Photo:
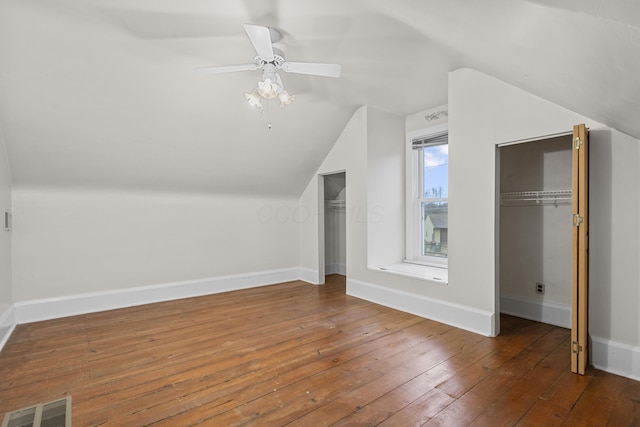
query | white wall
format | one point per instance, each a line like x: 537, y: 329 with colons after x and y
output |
x: 6, y: 299
x: 385, y: 188
x: 614, y: 238
x: 74, y: 242
x: 375, y: 195
x: 371, y: 150
x: 348, y: 154
x: 435, y: 116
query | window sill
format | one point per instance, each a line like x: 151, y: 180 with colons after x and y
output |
x: 434, y: 274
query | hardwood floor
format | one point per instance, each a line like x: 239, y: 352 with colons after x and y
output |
x: 303, y: 355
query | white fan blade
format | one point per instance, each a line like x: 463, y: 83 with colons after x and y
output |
x: 312, y: 68
x: 261, y: 39
x: 227, y: 69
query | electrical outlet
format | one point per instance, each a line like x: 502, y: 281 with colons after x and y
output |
x: 540, y: 288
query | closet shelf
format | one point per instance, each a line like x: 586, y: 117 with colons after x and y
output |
x: 336, y: 204
x: 543, y: 197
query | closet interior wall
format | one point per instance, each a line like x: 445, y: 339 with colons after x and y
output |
x: 535, y: 230
x: 335, y: 224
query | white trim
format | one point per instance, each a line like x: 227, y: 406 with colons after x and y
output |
x: 534, y: 139
x: 321, y: 234
x: 413, y: 215
x: 540, y: 311
x: 437, y: 275
x: 469, y: 318
x: 310, y: 276
x: 53, y: 308
x: 7, y: 325
x: 616, y: 358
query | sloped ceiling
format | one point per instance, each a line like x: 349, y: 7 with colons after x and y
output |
x: 103, y: 93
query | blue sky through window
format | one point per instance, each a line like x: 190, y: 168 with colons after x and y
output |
x: 436, y: 170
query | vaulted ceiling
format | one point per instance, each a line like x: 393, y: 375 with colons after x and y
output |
x: 104, y: 93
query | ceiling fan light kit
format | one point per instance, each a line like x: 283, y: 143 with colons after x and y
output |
x: 285, y: 98
x: 254, y: 99
x: 268, y: 89
x: 270, y: 60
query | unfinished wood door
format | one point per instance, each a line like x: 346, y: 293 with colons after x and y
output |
x: 580, y: 249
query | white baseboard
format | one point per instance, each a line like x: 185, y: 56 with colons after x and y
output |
x: 540, y: 311
x: 53, y: 308
x: 7, y: 325
x: 460, y: 316
x: 313, y: 276
x: 310, y: 276
x: 617, y: 358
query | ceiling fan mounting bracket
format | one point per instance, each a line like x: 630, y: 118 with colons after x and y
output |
x: 278, y: 59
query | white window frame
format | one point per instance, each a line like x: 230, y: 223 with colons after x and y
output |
x: 414, y: 223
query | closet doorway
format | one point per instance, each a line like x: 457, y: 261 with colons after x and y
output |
x: 334, y: 234
x: 542, y: 232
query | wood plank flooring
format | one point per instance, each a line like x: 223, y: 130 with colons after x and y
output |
x: 302, y: 355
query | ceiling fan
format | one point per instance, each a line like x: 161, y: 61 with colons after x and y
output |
x: 271, y: 59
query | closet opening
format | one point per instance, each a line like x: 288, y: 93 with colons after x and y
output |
x: 534, y: 270
x: 333, y: 232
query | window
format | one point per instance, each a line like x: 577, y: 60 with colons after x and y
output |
x: 427, y: 196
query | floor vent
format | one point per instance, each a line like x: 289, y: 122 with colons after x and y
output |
x: 51, y: 414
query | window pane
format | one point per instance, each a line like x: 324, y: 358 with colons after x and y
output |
x: 54, y: 414
x: 435, y: 229
x: 23, y: 418
x: 435, y: 172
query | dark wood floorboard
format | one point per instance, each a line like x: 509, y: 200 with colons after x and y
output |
x: 301, y: 355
